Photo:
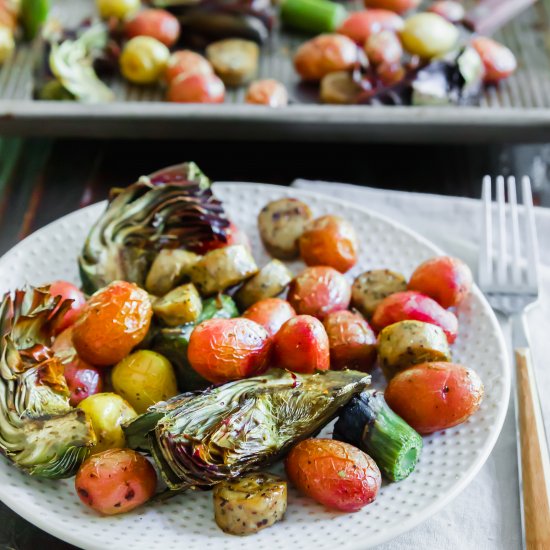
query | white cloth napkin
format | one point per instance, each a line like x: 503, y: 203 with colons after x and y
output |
x: 486, y: 515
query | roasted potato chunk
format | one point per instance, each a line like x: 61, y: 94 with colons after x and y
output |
x: 250, y: 503
x: 269, y: 282
x: 371, y: 287
x: 222, y: 268
x: 408, y: 343
x: 169, y: 268
x: 234, y: 60
x: 281, y: 224
x: 181, y: 305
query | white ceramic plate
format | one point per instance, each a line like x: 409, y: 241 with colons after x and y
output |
x: 449, y: 460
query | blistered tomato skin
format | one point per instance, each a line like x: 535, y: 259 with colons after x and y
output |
x: 329, y: 240
x: 334, y: 473
x: 271, y: 313
x: 158, y: 24
x: 196, y: 88
x: 413, y: 306
x: 115, y: 481
x: 318, y: 291
x: 115, y: 320
x: 301, y: 345
x: 221, y: 350
x: 445, y: 279
x: 360, y: 25
x: 68, y: 291
x: 352, y: 341
x: 435, y: 396
x: 186, y: 61
x: 499, y: 61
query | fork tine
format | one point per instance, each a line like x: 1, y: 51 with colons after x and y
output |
x: 486, y: 248
x: 516, y: 252
x: 531, y: 233
x: 502, y: 257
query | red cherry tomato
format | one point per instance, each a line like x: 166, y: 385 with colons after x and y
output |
x: 447, y: 280
x: 398, y: 6
x: 301, y: 345
x: 221, y: 350
x: 158, y: 24
x: 448, y: 9
x: 186, y: 61
x: 267, y: 92
x: 498, y: 60
x: 196, y: 88
x: 384, y: 48
x: 271, y: 313
x: 68, y: 291
x: 319, y: 291
x: 360, y: 25
x: 413, y: 306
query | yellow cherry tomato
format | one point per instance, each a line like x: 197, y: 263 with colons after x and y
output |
x: 7, y: 43
x: 144, y: 60
x: 428, y: 35
x: 144, y: 378
x: 120, y: 9
x: 107, y: 412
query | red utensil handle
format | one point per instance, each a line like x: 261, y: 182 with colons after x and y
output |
x: 490, y: 15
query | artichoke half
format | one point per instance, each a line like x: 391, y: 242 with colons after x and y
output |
x: 172, y: 208
x: 201, y: 439
x: 39, y: 431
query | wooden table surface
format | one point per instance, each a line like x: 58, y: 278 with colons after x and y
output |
x: 41, y: 180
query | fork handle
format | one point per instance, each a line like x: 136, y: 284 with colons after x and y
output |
x: 535, y: 464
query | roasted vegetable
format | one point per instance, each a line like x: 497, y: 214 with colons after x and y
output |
x: 199, y: 440
x: 368, y: 423
x: 144, y: 60
x: 168, y: 269
x: 172, y: 208
x: 250, y: 503
x: 218, y: 307
x: 267, y: 91
x: 33, y: 15
x: 180, y: 306
x: 39, y: 431
x: 223, y: 268
x: 68, y: 291
x: 314, y: 16
x: 269, y: 282
x: 271, y: 313
x: 234, y: 60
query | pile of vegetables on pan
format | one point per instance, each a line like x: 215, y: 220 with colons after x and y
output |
x: 190, y: 363
x: 389, y: 53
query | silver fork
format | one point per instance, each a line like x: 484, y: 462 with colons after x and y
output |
x: 509, y: 279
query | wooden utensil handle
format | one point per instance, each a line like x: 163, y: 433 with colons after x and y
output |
x: 535, y: 464
x: 490, y: 15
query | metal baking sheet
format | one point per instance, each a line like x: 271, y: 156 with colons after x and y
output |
x: 518, y: 110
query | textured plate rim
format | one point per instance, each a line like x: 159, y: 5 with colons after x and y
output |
x: 385, y: 535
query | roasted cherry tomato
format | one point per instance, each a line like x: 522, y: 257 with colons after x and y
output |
x: 196, y: 88
x: 186, y: 61
x: 325, y: 54
x: 107, y: 412
x: 397, y: 6
x: 360, y: 25
x: 413, y: 306
x: 499, y: 62
x: 158, y: 24
x: 351, y: 340
x: 68, y: 291
x: 221, y: 350
x: 447, y: 280
x: 334, y: 473
x: 115, y: 481
x: 271, y: 313
x: 119, y: 9
x: 435, y: 396
x: 448, y: 9
x: 390, y: 73
x: 319, y: 291
x: 144, y: 60
x: 115, y: 319
x: 267, y: 92
x: 384, y: 47
x: 329, y: 240
x: 144, y: 378
x: 428, y: 35
x: 301, y: 345
x: 82, y: 379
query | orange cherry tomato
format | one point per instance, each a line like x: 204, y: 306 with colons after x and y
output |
x: 351, y: 340
x: 498, y: 60
x: 271, y: 313
x: 186, y: 61
x: 360, y: 25
x: 221, y: 350
x: 435, y: 396
x: 196, y: 88
x: 447, y: 280
x: 68, y: 291
x: 115, y: 481
x: 318, y: 291
x: 301, y: 345
x: 114, y: 321
x: 267, y: 92
x: 397, y: 6
x: 384, y: 47
x: 334, y: 473
x: 329, y: 240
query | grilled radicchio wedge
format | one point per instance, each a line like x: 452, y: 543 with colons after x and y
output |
x: 172, y: 208
x: 39, y: 431
x: 201, y: 439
